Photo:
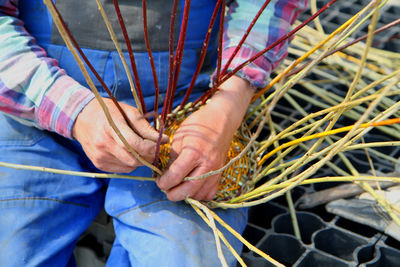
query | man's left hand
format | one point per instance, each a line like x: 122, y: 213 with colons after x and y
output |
x: 201, y: 143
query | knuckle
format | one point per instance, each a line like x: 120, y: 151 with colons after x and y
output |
x: 136, y: 144
x: 98, y: 158
x: 100, y: 165
x: 131, y: 162
x: 98, y: 141
x: 192, y: 154
x: 161, y: 184
x: 146, y: 148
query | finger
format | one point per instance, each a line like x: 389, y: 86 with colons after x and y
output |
x: 125, y: 157
x: 120, y: 169
x: 212, y: 192
x: 143, y: 128
x: 184, y: 190
x: 208, y: 189
x: 183, y: 165
x: 114, y: 166
x: 188, y: 188
x: 144, y: 148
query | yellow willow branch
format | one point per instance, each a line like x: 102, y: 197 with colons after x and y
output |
x: 333, y: 179
x: 210, y: 221
x: 306, y: 55
x: 327, y: 133
x: 121, y: 55
x: 73, y: 173
x: 371, y: 30
x: 317, y: 22
x: 286, y: 132
x: 292, y: 184
x: 238, y: 236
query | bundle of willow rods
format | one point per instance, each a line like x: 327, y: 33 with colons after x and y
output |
x: 369, y: 92
x: 291, y: 150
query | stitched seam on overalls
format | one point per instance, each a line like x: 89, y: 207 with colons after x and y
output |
x: 44, y: 198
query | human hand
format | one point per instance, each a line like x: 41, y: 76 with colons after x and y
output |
x: 202, y: 141
x: 102, y: 145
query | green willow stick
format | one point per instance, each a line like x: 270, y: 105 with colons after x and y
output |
x: 302, y: 160
x: 340, y: 144
x: 290, y: 131
x: 74, y: 173
x: 350, y: 113
x: 317, y: 22
x: 306, y: 149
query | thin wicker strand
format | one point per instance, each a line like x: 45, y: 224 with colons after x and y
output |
x: 121, y: 55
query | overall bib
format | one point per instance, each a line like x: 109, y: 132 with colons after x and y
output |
x: 43, y: 214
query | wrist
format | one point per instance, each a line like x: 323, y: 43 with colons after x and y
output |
x: 235, y: 94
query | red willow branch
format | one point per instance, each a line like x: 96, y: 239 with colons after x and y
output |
x: 209, y: 92
x: 153, y: 67
x: 92, y: 69
x: 202, y: 54
x: 220, y: 42
x: 253, y: 22
x: 180, y: 48
x: 168, y: 95
x: 359, y: 39
x: 287, y: 36
x: 131, y: 56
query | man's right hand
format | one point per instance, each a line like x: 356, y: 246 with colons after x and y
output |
x: 102, y: 145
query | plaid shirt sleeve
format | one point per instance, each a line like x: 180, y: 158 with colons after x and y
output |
x: 274, y: 23
x: 33, y: 89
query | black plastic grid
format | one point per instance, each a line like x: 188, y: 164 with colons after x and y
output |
x: 341, y: 11
x: 326, y: 239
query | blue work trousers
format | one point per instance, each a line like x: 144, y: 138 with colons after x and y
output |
x: 42, y: 214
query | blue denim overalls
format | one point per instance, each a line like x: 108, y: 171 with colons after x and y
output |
x: 43, y: 214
